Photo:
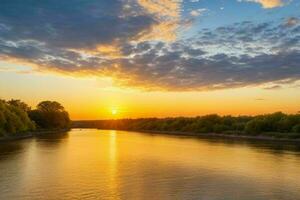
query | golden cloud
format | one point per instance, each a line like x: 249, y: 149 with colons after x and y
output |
x: 269, y: 3
x: 109, y: 50
x: 167, y: 15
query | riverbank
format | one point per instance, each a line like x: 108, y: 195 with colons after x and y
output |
x: 26, y: 135
x: 221, y: 135
x: 225, y: 136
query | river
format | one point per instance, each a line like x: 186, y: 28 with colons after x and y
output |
x: 108, y: 164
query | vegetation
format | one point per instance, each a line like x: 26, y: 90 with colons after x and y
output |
x: 272, y: 125
x: 16, y: 117
x: 50, y: 115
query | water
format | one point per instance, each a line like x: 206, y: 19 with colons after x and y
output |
x: 97, y: 164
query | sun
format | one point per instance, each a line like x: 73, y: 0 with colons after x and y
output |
x: 114, y: 111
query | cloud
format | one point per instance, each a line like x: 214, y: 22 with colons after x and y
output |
x: 72, y: 24
x: 198, y: 12
x: 274, y: 87
x: 268, y: 3
x: 118, y: 39
x: 292, y: 21
x: 167, y: 14
x: 178, y: 70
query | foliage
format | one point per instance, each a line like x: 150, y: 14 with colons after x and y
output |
x: 20, y: 104
x: 50, y: 106
x: 296, y: 128
x: 275, y: 125
x: 14, y: 117
x: 17, y: 117
x: 50, y: 115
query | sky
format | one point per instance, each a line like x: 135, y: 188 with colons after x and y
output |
x: 152, y: 58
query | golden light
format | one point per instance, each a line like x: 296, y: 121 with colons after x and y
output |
x: 114, y: 111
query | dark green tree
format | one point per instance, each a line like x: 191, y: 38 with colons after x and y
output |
x: 50, y: 115
x: 20, y: 104
x: 14, y: 118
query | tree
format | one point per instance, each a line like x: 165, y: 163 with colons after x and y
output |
x: 14, y: 118
x: 50, y: 106
x: 50, y: 115
x: 254, y: 126
x: 20, y: 104
x: 296, y: 128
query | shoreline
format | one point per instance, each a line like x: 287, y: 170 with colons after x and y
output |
x: 26, y: 135
x: 215, y: 135
x: 32, y: 134
x: 222, y: 135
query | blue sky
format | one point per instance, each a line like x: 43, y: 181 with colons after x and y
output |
x: 226, y: 12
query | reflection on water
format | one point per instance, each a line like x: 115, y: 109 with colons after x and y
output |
x: 10, y: 149
x: 275, y: 146
x: 97, y: 164
x: 112, y: 170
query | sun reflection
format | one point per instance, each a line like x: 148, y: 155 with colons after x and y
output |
x: 112, y: 146
x: 113, y: 182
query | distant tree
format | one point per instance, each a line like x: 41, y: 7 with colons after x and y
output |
x: 276, y: 124
x: 50, y: 106
x: 296, y: 128
x: 50, y: 115
x: 219, y: 128
x: 254, y: 126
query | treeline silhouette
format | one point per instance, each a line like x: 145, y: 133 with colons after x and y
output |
x: 275, y: 125
x: 16, y: 117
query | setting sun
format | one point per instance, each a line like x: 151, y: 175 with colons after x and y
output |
x: 114, y: 111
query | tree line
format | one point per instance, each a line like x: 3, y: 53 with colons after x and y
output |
x: 17, y: 117
x: 276, y: 125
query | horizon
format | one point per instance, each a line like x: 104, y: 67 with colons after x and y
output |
x: 139, y: 59
x: 115, y: 114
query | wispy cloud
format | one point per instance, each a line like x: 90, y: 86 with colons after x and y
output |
x: 259, y: 99
x: 198, y: 12
x: 273, y: 87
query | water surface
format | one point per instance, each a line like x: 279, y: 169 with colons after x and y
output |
x: 103, y: 164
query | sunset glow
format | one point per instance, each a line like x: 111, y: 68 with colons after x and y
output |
x: 114, y: 111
